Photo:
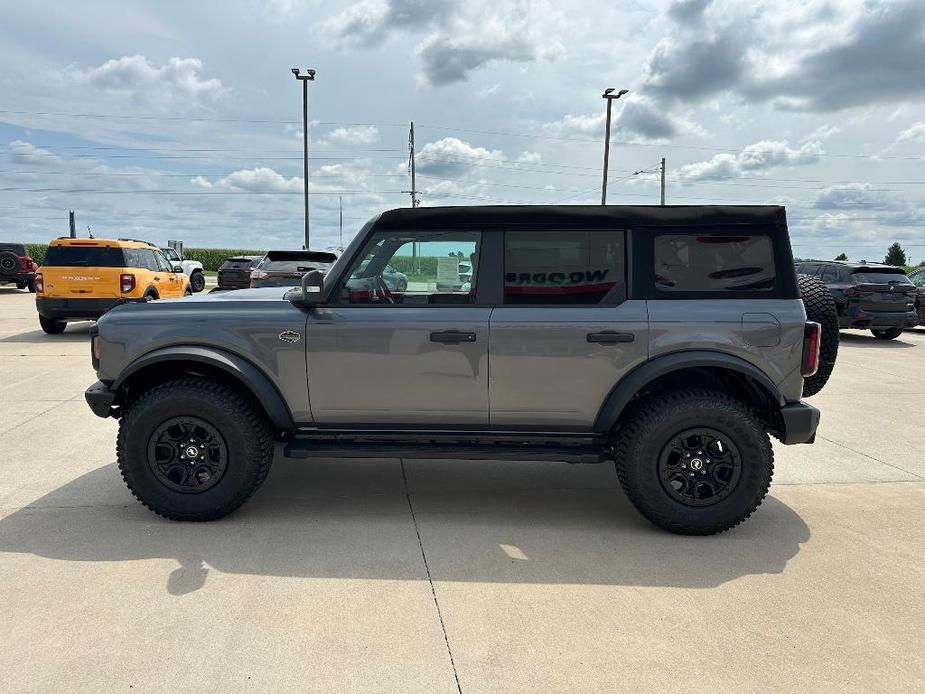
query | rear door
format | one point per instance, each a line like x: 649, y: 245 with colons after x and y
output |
x: 82, y: 270
x: 564, y: 332
x: 169, y: 283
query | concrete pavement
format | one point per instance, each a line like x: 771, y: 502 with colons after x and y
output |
x: 446, y: 576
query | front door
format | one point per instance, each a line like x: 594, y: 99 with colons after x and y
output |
x: 402, y: 340
x: 564, y: 333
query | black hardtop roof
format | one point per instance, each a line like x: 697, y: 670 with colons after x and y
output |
x: 584, y: 216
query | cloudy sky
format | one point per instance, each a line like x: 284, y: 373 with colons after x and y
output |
x: 181, y: 120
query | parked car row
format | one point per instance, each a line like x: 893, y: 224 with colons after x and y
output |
x: 870, y: 296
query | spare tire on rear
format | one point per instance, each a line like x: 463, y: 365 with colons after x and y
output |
x: 820, y: 308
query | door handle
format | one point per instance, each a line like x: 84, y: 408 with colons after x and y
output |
x: 156, y: 278
x: 452, y: 337
x: 610, y: 337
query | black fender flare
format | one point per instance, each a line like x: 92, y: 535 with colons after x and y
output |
x: 236, y: 366
x: 631, y: 384
x: 151, y: 289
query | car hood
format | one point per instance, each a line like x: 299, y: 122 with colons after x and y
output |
x: 259, y: 294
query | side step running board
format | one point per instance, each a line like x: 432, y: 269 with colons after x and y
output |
x: 313, y: 448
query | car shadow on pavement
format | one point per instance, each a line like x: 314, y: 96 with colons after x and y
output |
x: 869, y: 340
x: 545, y: 523
x: 75, y: 332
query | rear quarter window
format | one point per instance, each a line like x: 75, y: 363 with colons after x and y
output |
x: 84, y: 256
x: 724, y: 263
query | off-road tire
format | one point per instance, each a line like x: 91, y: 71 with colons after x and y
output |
x: 655, y: 421
x: 197, y: 281
x: 187, y: 292
x: 9, y: 263
x: 887, y: 334
x: 820, y: 308
x: 232, y: 412
x: 30, y: 285
x: 150, y: 295
x: 52, y: 326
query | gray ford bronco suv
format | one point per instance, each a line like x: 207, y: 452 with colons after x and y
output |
x: 670, y: 340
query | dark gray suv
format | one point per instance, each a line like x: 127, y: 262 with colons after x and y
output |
x: 669, y: 340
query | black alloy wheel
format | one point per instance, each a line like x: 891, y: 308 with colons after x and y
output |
x: 700, y: 467
x: 187, y: 455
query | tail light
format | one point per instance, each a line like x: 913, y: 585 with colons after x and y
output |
x: 26, y: 264
x: 126, y: 283
x: 812, y: 338
x: 39, y: 282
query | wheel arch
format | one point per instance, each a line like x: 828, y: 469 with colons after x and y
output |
x: 692, y: 367
x: 170, y: 362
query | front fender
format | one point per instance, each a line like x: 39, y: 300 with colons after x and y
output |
x: 236, y: 366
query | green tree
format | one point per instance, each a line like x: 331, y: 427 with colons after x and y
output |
x: 895, y: 255
x: 841, y: 256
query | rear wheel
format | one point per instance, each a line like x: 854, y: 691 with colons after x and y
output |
x: 31, y: 285
x: 887, y: 333
x: 821, y: 309
x: 197, y: 281
x: 694, y: 462
x: 52, y: 326
x: 194, y: 449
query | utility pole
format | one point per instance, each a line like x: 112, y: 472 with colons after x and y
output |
x: 341, y: 198
x: 414, y: 194
x: 309, y: 76
x: 610, y: 98
x: 663, y: 181
x: 72, y: 221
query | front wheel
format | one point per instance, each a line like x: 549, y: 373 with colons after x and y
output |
x: 52, y: 326
x: 194, y: 449
x: 197, y: 281
x: 694, y: 462
x: 887, y: 334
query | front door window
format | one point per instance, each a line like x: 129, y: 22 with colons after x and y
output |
x: 419, y: 269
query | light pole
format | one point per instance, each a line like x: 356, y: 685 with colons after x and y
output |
x: 309, y: 76
x: 610, y: 97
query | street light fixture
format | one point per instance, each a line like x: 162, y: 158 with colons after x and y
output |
x: 610, y: 97
x: 309, y: 76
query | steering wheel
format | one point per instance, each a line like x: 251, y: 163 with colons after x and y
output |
x: 384, y: 289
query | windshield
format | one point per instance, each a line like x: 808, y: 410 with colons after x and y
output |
x: 84, y: 256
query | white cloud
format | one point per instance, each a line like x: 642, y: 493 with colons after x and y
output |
x: 914, y: 133
x: 356, y: 135
x: 530, y: 157
x: 27, y: 154
x: 851, y: 195
x: 257, y: 180
x: 756, y: 158
x: 452, y: 156
x: 136, y: 79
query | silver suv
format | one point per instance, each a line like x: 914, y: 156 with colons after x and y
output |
x: 669, y: 340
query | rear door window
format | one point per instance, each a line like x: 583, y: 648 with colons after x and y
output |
x: 84, y: 256
x: 576, y: 268
x: 714, y: 263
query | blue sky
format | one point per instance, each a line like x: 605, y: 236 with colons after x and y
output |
x: 181, y: 120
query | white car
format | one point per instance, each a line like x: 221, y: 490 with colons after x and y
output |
x: 192, y: 268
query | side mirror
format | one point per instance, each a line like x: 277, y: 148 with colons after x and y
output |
x: 178, y: 268
x: 312, y: 286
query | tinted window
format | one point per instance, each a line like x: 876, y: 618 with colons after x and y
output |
x: 142, y: 258
x: 556, y: 267
x: 162, y: 263
x: 713, y: 262
x: 879, y: 277
x: 829, y: 274
x: 84, y: 256
x: 414, y: 269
